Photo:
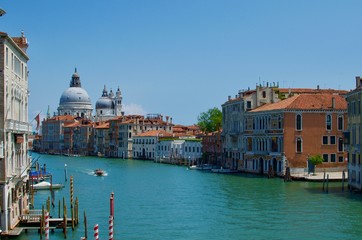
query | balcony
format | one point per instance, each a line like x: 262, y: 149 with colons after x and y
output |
x: 17, y: 126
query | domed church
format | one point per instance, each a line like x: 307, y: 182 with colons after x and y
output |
x: 75, y: 100
x: 109, y: 105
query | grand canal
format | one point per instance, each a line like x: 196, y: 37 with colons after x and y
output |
x: 157, y: 201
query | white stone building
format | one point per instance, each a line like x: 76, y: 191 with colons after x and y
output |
x: 353, y: 136
x: 170, y: 149
x: 14, y: 130
x: 145, y: 144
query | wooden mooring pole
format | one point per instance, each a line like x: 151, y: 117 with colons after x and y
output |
x: 85, y: 226
x: 64, y: 219
x: 111, y: 205
x: 327, y: 181
x: 71, y: 201
x: 41, y: 222
x: 343, y: 179
x: 324, y: 180
x: 59, y: 209
x: 76, y: 211
x: 48, y: 204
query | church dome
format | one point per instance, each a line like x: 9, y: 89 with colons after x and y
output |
x: 104, y: 103
x: 75, y: 95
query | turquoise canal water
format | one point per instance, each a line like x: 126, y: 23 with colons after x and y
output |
x: 157, y: 201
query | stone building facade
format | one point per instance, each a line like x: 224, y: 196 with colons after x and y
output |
x: 353, y: 136
x: 14, y: 130
x: 287, y: 133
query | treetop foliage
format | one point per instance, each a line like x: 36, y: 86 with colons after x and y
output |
x: 210, y: 121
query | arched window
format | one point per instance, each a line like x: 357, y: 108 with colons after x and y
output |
x: 298, y: 122
x: 340, y: 123
x: 329, y: 122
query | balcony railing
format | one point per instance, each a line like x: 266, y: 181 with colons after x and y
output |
x: 17, y: 126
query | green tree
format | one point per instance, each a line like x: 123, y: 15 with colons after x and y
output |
x: 210, y: 121
x: 315, y: 160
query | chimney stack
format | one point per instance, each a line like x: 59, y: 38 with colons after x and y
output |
x: 333, y: 102
x: 358, y: 82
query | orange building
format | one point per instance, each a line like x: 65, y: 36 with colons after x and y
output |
x: 287, y: 133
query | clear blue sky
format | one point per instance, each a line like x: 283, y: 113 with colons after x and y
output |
x: 180, y: 58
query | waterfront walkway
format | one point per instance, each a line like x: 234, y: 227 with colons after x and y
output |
x: 319, y: 176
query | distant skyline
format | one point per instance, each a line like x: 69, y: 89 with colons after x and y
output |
x: 181, y: 58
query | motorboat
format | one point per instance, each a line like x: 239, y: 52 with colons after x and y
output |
x: 99, y: 172
x: 192, y: 167
x: 46, y: 186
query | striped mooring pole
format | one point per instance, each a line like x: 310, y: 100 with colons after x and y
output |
x: 111, y: 204
x: 110, y: 228
x: 96, y: 232
x: 46, y: 225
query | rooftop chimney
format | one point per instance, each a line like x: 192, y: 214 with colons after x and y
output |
x: 358, y: 82
x: 333, y: 102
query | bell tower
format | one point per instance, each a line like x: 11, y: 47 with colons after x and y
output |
x: 118, y: 103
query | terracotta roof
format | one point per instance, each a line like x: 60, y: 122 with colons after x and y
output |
x: 321, y: 101
x: 310, y: 90
x: 155, y: 133
x: 102, y: 125
x: 73, y: 124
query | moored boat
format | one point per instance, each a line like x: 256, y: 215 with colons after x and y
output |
x: 47, y: 185
x: 224, y: 170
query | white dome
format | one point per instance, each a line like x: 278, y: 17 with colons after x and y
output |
x: 75, y: 95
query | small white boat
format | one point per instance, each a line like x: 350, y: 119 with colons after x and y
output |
x: 46, y: 186
x: 204, y: 167
x: 224, y: 170
x: 200, y: 167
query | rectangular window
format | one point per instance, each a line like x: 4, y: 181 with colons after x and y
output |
x: 17, y: 66
x: 248, y: 105
x: 340, y: 159
x: 333, y: 157
x: 325, y: 140
x: 332, y: 140
x: 325, y: 157
x: 299, y: 145
x: 274, y: 144
x: 340, y: 123
x: 7, y: 57
x: 329, y: 122
x: 250, y: 144
x: 340, y: 144
x: 298, y: 122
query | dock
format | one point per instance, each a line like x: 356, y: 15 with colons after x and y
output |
x: 319, y: 176
x: 32, y: 221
